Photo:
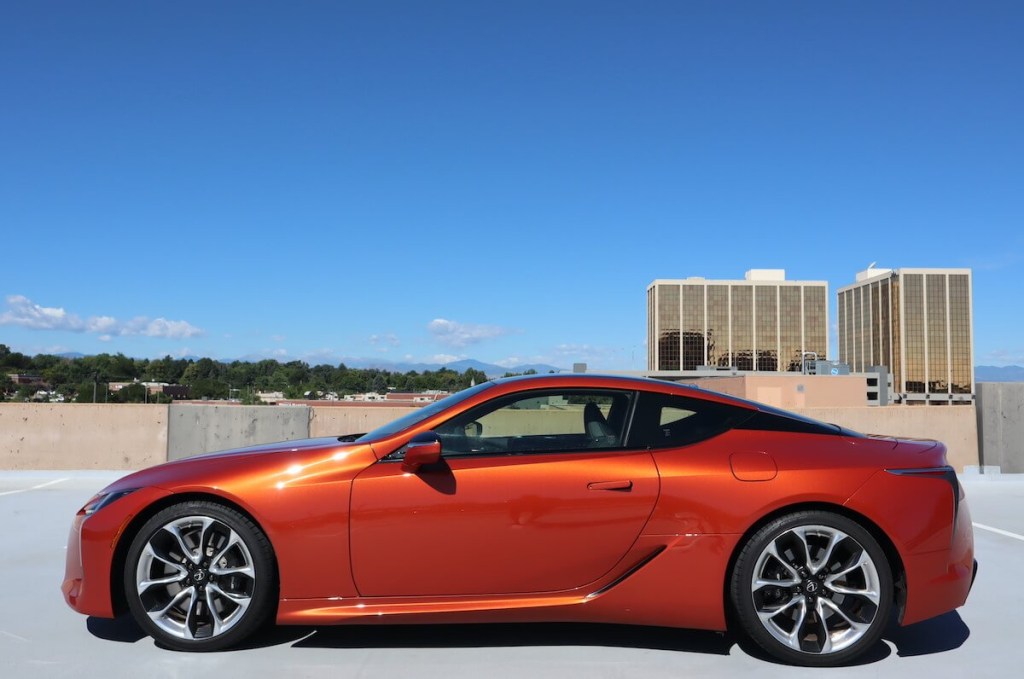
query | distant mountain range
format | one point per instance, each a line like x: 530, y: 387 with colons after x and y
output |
x: 991, y: 373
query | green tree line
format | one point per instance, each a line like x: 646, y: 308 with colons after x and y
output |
x: 78, y: 379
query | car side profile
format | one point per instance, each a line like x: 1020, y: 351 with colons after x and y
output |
x: 572, y: 498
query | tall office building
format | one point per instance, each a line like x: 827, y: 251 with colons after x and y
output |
x: 915, y: 322
x: 763, y: 322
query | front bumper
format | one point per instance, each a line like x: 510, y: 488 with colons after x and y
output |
x: 92, y: 545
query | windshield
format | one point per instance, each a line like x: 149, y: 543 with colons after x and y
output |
x: 420, y: 414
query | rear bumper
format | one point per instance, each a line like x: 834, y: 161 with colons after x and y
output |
x: 939, y: 582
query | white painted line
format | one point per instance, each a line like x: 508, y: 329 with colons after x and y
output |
x: 999, y: 531
x: 14, y: 636
x: 41, y: 485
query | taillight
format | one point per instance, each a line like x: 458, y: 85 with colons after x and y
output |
x: 945, y: 472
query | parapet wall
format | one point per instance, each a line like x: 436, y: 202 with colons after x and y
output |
x: 1001, y: 425
x: 956, y: 426
x: 82, y: 436
x: 101, y: 436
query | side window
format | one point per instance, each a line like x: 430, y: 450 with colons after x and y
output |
x: 669, y: 421
x: 540, y: 421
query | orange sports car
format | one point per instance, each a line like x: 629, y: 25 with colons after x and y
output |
x: 542, y: 498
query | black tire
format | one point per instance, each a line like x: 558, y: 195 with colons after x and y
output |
x: 834, y: 594
x: 200, y: 576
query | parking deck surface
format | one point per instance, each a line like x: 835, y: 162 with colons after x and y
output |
x: 41, y: 637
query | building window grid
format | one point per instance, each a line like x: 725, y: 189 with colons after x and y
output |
x: 960, y: 334
x: 913, y: 310
x: 885, y: 325
x: 938, y: 350
x: 668, y: 332
x: 816, y: 320
x: 767, y: 335
x: 897, y: 334
x: 790, y: 327
x: 692, y: 327
x: 876, y: 326
x: 841, y: 323
x: 742, y: 308
x: 718, y: 325
x: 752, y: 327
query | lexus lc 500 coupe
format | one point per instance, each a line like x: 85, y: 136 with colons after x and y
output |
x: 570, y: 498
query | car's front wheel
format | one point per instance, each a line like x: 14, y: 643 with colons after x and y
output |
x: 199, y: 576
x: 813, y: 588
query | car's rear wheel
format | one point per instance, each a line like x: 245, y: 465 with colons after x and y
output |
x: 812, y: 588
x: 199, y: 576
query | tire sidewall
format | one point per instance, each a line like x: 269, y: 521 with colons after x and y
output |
x: 263, y: 593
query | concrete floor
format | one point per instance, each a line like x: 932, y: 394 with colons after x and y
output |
x: 41, y: 637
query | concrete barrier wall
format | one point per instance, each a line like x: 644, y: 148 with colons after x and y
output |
x: 71, y: 436
x: 1000, y: 408
x: 194, y: 429
x: 82, y: 436
x: 342, y: 420
x: 956, y: 426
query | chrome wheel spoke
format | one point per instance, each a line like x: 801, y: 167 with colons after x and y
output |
x: 758, y: 584
x: 774, y: 551
x: 169, y: 580
x: 770, y: 613
x: 815, y: 565
x: 191, y: 618
x: 165, y: 558
x: 233, y: 570
x: 215, y: 619
x: 233, y: 540
x: 241, y: 600
x: 157, y: 615
x: 856, y: 626
x: 185, y: 550
x: 822, y: 636
x: 793, y: 638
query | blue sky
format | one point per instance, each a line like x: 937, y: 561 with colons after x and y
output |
x: 496, y: 180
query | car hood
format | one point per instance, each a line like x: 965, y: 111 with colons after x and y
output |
x: 216, y: 468
x: 268, y: 448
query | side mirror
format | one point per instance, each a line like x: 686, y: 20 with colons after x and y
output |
x: 424, y: 448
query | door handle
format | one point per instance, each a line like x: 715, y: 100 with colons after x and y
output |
x: 610, y: 485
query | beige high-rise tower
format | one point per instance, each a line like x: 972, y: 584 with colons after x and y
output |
x: 918, y: 324
x: 763, y: 322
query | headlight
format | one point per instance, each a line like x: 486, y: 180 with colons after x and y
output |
x: 102, y: 500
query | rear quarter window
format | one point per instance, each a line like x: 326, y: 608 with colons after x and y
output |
x: 670, y: 421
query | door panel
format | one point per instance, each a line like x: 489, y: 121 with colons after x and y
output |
x: 498, y: 524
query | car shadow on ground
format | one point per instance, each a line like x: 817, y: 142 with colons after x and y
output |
x: 515, y: 635
x: 944, y: 633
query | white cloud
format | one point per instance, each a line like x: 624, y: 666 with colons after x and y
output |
x: 444, y: 358
x: 1000, y: 357
x: 23, y: 312
x: 458, y: 335
x: 390, y: 339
